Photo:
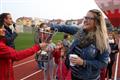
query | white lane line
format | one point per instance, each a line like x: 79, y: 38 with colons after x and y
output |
x: 31, y: 75
x: 116, y: 67
x: 23, y: 63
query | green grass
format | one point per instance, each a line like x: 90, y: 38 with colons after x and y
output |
x: 26, y: 40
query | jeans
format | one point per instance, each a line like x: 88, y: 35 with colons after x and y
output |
x: 40, y: 64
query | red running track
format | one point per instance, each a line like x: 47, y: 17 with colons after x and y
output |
x: 27, y: 69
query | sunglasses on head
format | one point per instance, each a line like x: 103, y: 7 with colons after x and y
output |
x: 96, y: 12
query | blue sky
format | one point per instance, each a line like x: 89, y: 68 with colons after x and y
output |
x: 48, y: 9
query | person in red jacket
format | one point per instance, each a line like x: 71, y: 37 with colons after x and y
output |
x: 57, y: 52
x: 58, y: 55
x: 8, y: 55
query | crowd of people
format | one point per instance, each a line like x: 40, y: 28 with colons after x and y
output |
x: 89, y: 56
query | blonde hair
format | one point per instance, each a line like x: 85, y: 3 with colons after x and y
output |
x: 101, y: 31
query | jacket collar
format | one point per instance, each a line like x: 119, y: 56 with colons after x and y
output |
x: 2, y: 40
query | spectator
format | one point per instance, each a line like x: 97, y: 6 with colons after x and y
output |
x: 58, y: 53
x: 48, y: 64
x: 9, y: 34
x: 38, y: 38
x: 114, y: 50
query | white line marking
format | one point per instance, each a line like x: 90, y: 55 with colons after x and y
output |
x: 31, y: 75
x: 23, y: 63
x: 116, y: 67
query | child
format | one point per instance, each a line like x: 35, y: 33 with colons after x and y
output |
x: 58, y: 54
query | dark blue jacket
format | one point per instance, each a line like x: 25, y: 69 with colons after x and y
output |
x: 94, y: 59
x: 10, y: 37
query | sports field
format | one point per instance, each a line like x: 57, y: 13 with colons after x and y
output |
x: 26, y: 40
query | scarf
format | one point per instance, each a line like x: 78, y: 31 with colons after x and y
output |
x: 85, y: 38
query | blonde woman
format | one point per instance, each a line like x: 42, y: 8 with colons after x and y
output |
x: 90, y: 45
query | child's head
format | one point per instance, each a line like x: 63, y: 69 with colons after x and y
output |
x: 43, y: 25
x: 59, y: 44
x: 66, y: 36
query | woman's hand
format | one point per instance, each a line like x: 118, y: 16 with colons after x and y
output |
x: 48, y: 29
x: 78, y: 61
x: 43, y: 45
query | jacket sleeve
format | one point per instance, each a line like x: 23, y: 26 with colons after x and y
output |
x: 100, y: 61
x: 64, y: 28
x: 8, y: 52
x: 4, y: 51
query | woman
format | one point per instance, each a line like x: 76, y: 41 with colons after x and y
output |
x: 90, y: 45
x: 114, y: 51
x: 8, y: 55
x: 10, y: 32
